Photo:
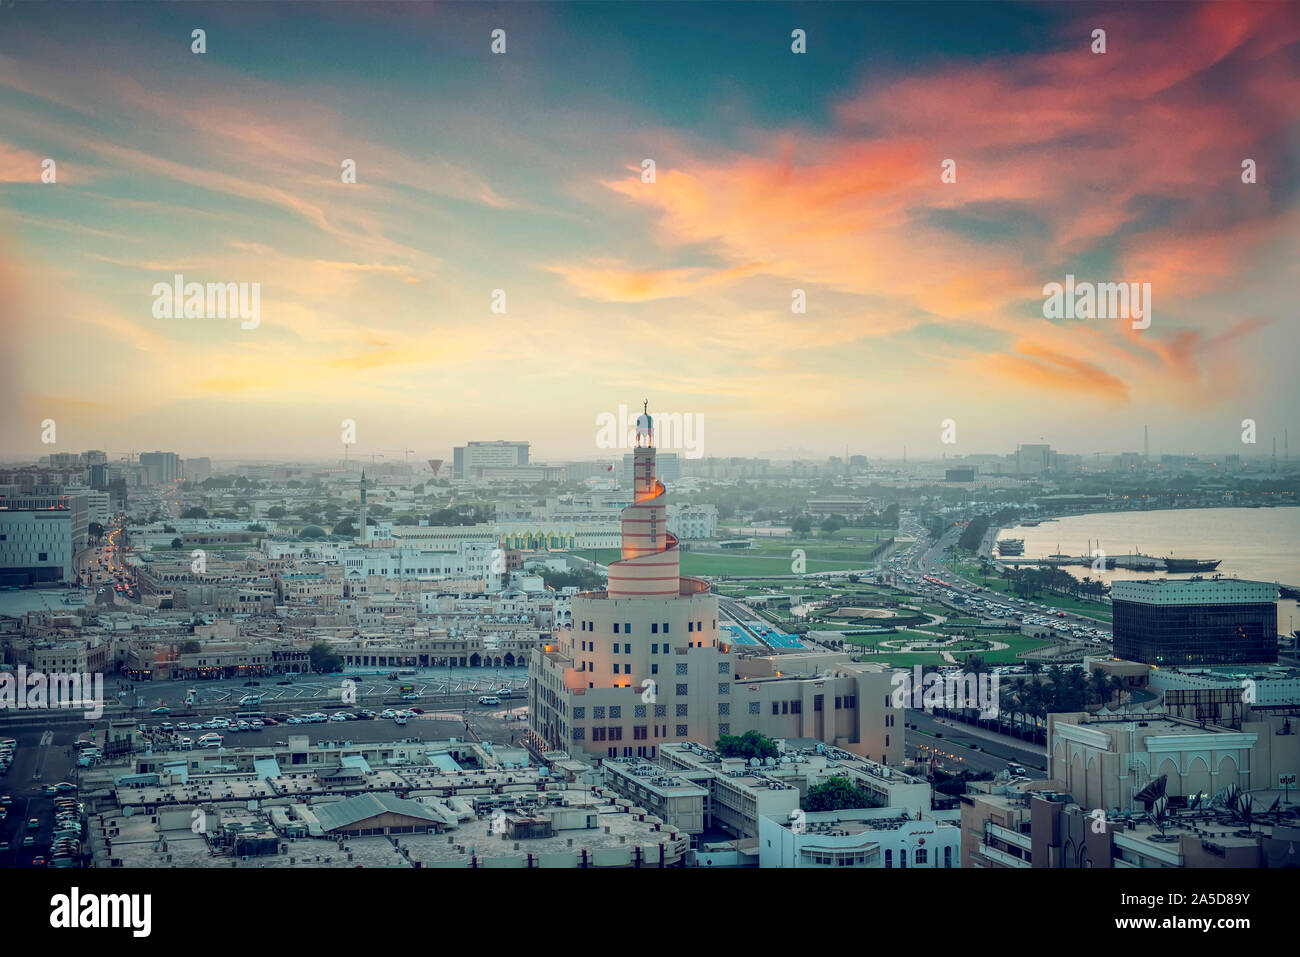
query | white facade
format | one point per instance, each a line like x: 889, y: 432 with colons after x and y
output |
x: 470, y: 560
x: 1263, y: 687
x: 1204, y: 591
x: 693, y: 521
x: 871, y: 837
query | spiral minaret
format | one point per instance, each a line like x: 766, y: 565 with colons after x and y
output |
x: 651, y: 562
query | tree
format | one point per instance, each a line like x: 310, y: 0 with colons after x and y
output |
x: 323, y: 660
x: 176, y: 543
x: 749, y: 745
x: 276, y: 511
x: 346, y: 529
x: 832, y: 524
x: 1100, y: 686
x: 194, y: 512
x: 190, y: 647
x: 801, y: 525
x: 837, y: 794
x: 584, y: 579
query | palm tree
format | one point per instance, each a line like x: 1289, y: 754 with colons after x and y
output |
x: 1100, y: 685
x: 1116, y: 687
x: 1007, y: 704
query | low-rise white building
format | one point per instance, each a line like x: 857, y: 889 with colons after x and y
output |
x: 869, y: 837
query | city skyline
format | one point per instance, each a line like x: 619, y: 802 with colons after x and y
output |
x: 417, y: 458
x: 522, y: 172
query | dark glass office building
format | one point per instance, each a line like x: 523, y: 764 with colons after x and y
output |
x: 1198, y: 621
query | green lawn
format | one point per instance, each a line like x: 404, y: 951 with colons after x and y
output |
x: 1007, y: 656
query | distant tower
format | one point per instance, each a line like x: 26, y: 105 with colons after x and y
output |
x: 1146, y: 444
x: 364, y: 534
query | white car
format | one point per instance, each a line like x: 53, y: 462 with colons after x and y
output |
x: 388, y: 713
x: 339, y: 717
x: 293, y: 719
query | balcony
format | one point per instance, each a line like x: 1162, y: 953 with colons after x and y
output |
x: 1001, y: 857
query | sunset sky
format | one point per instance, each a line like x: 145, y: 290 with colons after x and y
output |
x: 521, y: 172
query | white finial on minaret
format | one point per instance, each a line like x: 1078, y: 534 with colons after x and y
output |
x: 645, y: 428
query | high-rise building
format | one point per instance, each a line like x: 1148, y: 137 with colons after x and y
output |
x: 498, y: 453
x: 162, y: 467
x: 1033, y: 459
x: 198, y: 470
x: 1197, y: 621
x: 646, y: 662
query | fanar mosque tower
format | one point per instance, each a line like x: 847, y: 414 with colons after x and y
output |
x: 646, y: 661
x: 651, y: 565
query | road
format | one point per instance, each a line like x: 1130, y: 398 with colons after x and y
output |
x: 962, y: 747
x: 931, y: 560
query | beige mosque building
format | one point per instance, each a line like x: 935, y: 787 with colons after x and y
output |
x: 644, y: 662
